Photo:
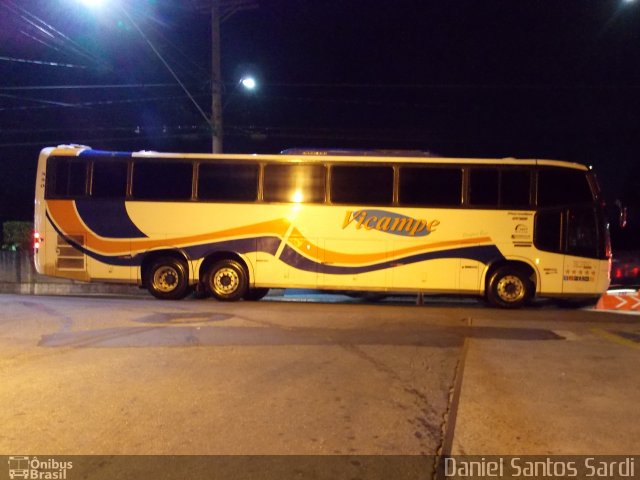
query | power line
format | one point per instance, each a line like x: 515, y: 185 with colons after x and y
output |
x: 87, y: 104
x: 40, y: 62
x: 50, y: 31
x: 42, y: 42
x: 182, y: 55
x: 425, y: 86
x: 37, y: 100
x: 101, y: 140
x: 164, y: 62
x: 89, y: 87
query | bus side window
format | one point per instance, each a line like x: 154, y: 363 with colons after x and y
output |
x: 421, y: 186
x: 362, y: 185
x: 157, y: 180
x: 515, y: 188
x: 66, y: 177
x: 582, y: 238
x: 228, y: 182
x: 560, y: 187
x: 484, y: 187
x: 294, y: 183
x: 109, y: 179
x: 548, y: 231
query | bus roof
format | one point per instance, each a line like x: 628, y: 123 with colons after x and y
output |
x: 317, y: 156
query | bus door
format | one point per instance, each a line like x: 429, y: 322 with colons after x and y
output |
x: 581, y: 245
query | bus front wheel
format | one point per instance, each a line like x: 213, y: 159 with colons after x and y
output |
x: 509, y: 287
x: 226, y: 280
x: 167, y: 279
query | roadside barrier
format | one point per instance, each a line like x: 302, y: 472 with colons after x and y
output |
x: 622, y: 299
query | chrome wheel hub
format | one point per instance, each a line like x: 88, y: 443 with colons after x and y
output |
x: 510, y: 289
x: 225, y: 281
x: 165, y: 279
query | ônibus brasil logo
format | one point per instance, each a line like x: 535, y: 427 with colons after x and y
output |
x: 36, y: 469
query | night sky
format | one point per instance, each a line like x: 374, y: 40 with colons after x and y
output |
x: 553, y: 79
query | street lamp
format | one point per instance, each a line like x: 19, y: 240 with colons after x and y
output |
x: 216, y: 121
x: 249, y: 83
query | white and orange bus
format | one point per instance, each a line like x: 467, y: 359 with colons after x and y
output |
x: 235, y: 225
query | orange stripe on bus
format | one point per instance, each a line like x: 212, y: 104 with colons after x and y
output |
x: 66, y: 217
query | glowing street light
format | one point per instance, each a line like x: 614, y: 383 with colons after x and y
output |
x: 214, y: 123
x: 249, y: 83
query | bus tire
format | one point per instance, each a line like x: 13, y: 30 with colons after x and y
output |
x: 509, y: 287
x: 168, y: 279
x: 255, y: 294
x: 226, y: 280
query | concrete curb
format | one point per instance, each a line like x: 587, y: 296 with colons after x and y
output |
x: 70, y: 289
x: 64, y: 288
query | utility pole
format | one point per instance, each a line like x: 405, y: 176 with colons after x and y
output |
x: 220, y: 10
x: 216, y: 80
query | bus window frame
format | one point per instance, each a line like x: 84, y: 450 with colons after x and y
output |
x: 594, y: 195
x: 434, y: 166
x: 530, y: 169
x: 261, y: 180
x: 160, y: 160
x: 394, y: 183
x: 91, y: 174
x: 48, y: 195
x: 196, y: 181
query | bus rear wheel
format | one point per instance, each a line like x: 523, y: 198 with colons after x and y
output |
x: 509, y: 287
x: 167, y: 279
x: 226, y: 280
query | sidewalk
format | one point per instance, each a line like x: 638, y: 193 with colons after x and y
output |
x: 577, y: 396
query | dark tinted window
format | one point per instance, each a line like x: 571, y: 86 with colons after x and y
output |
x: 66, y: 177
x: 484, y: 187
x: 582, y: 232
x: 560, y: 187
x: 109, y: 179
x: 505, y: 188
x: 364, y: 185
x: 228, y: 181
x: 515, y: 186
x: 547, y: 231
x: 294, y: 183
x: 430, y: 186
x: 162, y: 180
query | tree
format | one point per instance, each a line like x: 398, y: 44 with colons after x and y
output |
x: 17, y: 235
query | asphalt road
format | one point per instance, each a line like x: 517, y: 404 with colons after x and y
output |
x: 137, y: 376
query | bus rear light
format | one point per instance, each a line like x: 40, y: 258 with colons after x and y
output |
x: 37, y: 240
